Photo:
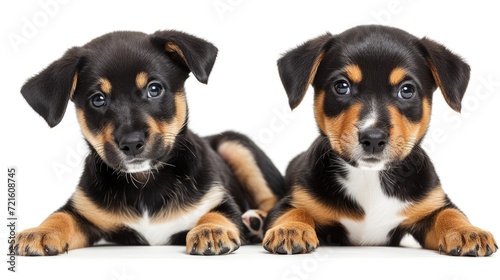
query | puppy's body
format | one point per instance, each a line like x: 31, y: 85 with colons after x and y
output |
x: 365, y: 180
x: 148, y: 180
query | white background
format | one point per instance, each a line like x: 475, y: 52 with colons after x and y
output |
x: 244, y: 94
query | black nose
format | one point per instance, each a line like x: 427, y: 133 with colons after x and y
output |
x: 373, y: 140
x: 132, y: 144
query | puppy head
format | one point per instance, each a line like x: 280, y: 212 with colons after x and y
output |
x: 373, y: 89
x: 128, y: 90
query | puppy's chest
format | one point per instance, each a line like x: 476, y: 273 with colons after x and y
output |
x: 382, y: 213
x: 158, y: 229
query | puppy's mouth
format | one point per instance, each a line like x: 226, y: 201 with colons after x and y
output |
x: 151, y: 158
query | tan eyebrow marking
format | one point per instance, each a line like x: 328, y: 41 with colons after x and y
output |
x: 141, y: 80
x: 354, y: 73
x: 397, y: 75
x: 105, y: 85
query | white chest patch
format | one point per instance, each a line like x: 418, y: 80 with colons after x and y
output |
x: 158, y: 232
x: 381, y: 211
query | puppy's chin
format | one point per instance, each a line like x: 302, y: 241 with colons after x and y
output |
x: 371, y: 165
x: 137, y: 166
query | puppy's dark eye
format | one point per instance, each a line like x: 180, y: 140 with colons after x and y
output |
x: 155, y: 89
x: 98, y: 100
x: 406, y: 91
x: 342, y: 87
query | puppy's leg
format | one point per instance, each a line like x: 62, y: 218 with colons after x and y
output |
x: 291, y: 233
x: 261, y: 182
x: 437, y: 224
x: 214, y: 234
x: 59, y: 233
x: 452, y: 233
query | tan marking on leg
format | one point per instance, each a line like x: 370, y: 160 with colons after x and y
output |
x: 214, y: 234
x: 341, y: 130
x: 249, y: 175
x: 354, y: 73
x: 217, y: 218
x: 105, y: 85
x: 452, y: 233
x: 141, y: 80
x: 416, y: 212
x: 100, y: 217
x: 321, y: 213
x: 404, y: 134
x: 292, y: 233
x: 58, y: 233
x: 66, y: 224
x: 397, y: 75
x: 296, y: 215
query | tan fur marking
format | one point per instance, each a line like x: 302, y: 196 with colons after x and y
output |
x: 65, y: 224
x: 214, y: 232
x: 295, y: 215
x: 312, y: 74
x: 452, y: 233
x: 437, y: 79
x: 341, y: 130
x: 404, y: 133
x: 416, y: 212
x: 247, y: 172
x: 101, y: 218
x: 444, y: 221
x: 73, y: 85
x: 171, y: 47
x: 217, y: 218
x: 96, y: 140
x: 354, y: 73
x: 294, y: 229
x: 105, y: 85
x: 141, y: 80
x: 216, y: 194
x: 57, y: 234
x: 170, y: 129
x: 397, y: 75
x: 180, y: 111
x: 321, y: 213
x: 319, y: 110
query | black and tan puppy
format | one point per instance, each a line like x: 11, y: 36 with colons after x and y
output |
x: 365, y: 180
x: 148, y: 179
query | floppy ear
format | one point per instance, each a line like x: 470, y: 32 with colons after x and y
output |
x: 48, y: 92
x: 450, y: 72
x: 297, y: 67
x: 195, y: 53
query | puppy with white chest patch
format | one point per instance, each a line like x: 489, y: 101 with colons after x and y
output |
x: 365, y: 180
x: 148, y: 179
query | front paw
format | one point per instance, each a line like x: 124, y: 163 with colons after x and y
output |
x: 467, y: 241
x: 211, y: 239
x: 291, y: 238
x: 40, y: 242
